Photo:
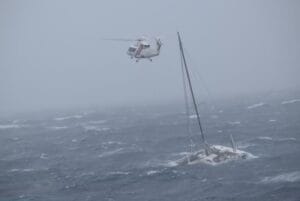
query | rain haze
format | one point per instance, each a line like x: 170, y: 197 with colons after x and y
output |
x: 52, y: 54
x: 81, y: 120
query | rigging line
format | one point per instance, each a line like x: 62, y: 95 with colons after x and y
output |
x: 198, y: 76
x: 192, y: 92
x: 186, y: 101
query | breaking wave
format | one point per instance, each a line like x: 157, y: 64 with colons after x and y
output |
x: 68, y: 117
x: 290, y: 101
x: 97, y: 122
x: 278, y: 139
x: 234, y: 122
x: 118, y: 173
x: 256, y: 105
x: 110, y: 153
x: 10, y: 126
x: 95, y: 128
x: 286, y: 177
x: 58, y: 127
x: 264, y: 138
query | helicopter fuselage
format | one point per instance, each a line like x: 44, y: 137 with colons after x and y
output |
x: 142, y: 50
x: 134, y: 52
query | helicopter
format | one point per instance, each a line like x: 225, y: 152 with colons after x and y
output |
x: 142, y: 48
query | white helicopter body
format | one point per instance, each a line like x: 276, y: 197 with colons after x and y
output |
x: 142, y: 49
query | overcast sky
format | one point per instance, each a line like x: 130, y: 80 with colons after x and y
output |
x: 52, y: 55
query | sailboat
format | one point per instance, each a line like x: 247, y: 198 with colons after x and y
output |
x: 210, y: 154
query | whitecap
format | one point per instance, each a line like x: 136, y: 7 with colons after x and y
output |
x: 285, y: 177
x: 112, y: 143
x: 234, y: 122
x: 278, y: 139
x: 43, y: 156
x: 204, y: 180
x: 10, y: 126
x: 171, y: 164
x: 272, y: 120
x: 110, y: 153
x: 193, y: 116
x: 265, y: 138
x: 245, y: 145
x: 68, y: 117
x: 95, y: 128
x: 290, y: 101
x: 287, y: 139
x: 21, y: 170
x: 184, y: 153
x: 152, y: 172
x: 118, y: 173
x: 256, y: 105
x: 87, y: 174
x: 58, y: 127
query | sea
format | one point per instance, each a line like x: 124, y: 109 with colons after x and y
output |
x: 130, y: 153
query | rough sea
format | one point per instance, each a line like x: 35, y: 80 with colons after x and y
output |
x: 129, y: 154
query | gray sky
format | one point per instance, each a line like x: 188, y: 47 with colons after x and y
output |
x: 52, y: 55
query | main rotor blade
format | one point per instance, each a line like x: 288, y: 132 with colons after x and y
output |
x: 120, y: 39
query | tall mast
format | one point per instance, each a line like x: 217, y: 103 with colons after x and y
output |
x: 192, y: 92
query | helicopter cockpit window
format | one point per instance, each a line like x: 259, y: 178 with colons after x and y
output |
x: 131, y: 49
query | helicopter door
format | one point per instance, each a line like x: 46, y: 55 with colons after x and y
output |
x: 139, y: 50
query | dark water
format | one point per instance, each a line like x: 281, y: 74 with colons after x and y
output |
x: 129, y: 154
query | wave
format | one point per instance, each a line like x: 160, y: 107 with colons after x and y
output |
x: 256, y: 105
x: 278, y: 139
x: 234, y: 122
x: 193, y: 116
x: 97, y: 122
x: 58, y: 127
x: 118, y: 173
x: 95, y: 128
x: 290, y: 101
x: 161, y: 163
x: 286, y: 177
x: 112, y: 143
x: 68, y: 117
x: 152, y: 172
x: 265, y: 138
x: 245, y: 145
x: 43, y: 156
x: 10, y: 126
x: 21, y: 170
x: 110, y: 153
x: 184, y: 153
x: 26, y: 170
x: 74, y: 140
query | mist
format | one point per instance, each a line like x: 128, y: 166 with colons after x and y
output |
x: 52, y: 54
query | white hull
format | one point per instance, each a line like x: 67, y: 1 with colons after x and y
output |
x: 217, y: 155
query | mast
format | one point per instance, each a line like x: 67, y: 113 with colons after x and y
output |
x: 192, y: 93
